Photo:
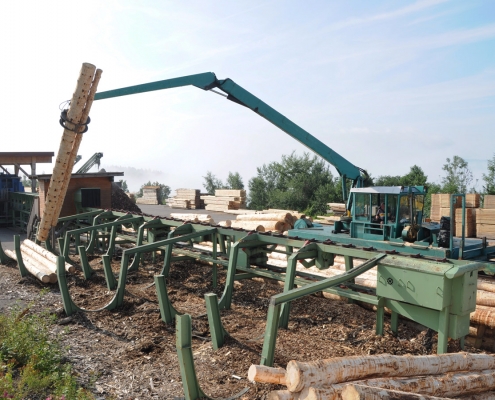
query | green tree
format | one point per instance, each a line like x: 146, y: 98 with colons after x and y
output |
x: 458, y: 176
x: 300, y: 183
x: 212, y: 183
x: 415, y: 177
x: 234, y: 181
x: 124, y: 187
x: 164, y: 190
x: 489, y: 178
x: 387, y: 180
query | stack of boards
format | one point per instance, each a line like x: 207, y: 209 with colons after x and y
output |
x: 485, y: 218
x: 189, y: 199
x: 151, y: 195
x: 225, y: 199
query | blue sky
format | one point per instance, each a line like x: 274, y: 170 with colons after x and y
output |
x: 386, y: 84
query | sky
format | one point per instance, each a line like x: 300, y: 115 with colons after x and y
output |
x: 386, y: 84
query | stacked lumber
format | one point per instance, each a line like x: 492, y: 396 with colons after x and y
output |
x: 470, y: 222
x: 440, y: 206
x: 381, y: 376
x: 187, y: 199
x: 151, y: 195
x: 38, y: 261
x: 225, y: 199
x: 337, y: 209
x: 485, y: 218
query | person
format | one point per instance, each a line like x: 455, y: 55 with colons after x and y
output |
x: 303, y: 223
x: 380, y: 213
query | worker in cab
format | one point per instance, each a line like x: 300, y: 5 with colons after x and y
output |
x: 303, y: 222
x: 380, y: 214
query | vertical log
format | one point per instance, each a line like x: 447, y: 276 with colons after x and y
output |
x: 75, y: 147
x: 62, y: 167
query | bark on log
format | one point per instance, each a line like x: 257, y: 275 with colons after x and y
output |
x: 62, y: 166
x: 486, y: 284
x: 39, y: 273
x: 485, y: 298
x: 261, y: 373
x: 354, y: 391
x: 46, y: 254
x: 344, y: 369
x: 484, y: 315
x: 447, y: 385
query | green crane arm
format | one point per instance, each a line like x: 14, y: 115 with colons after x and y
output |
x: 208, y: 81
x: 95, y: 159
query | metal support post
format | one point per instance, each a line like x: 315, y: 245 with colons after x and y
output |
x: 217, y: 331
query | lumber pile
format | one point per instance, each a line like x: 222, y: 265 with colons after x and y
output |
x: 225, y: 200
x: 485, y: 218
x: 151, y: 195
x: 337, y: 209
x: 470, y: 222
x: 38, y: 261
x: 440, y: 206
x: 381, y: 376
x: 189, y: 199
x: 193, y: 217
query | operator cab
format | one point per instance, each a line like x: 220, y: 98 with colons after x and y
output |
x: 386, y: 213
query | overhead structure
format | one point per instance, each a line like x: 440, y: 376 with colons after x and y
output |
x: 94, y: 160
x: 21, y: 158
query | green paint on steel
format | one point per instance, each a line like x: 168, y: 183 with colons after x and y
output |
x: 217, y: 331
x: 83, y: 258
x: 3, y: 257
x: 167, y: 311
x: 17, y: 250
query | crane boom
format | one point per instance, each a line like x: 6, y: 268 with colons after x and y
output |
x: 237, y: 94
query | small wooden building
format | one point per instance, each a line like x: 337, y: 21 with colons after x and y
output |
x: 90, y: 189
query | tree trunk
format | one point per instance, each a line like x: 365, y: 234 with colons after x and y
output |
x: 46, y: 254
x: 260, y: 373
x: 353, y: 391
x: 39, y: 273
x: 344, y: 369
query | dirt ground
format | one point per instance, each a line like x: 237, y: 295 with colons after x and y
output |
x: 129, y: 353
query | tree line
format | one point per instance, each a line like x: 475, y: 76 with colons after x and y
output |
x: 305, y: 183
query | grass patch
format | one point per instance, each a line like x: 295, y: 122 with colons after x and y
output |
x: 31, y: 361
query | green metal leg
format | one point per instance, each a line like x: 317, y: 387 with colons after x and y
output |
x: 217, y: 332
x: 3, y: 257
x: 109, y: 276
x: 214, y: 256
x: 288, y: 285
x: 118, y: 299
x: 86, y: 268
x: 69, y: 306
x: 380, y: 315
x: 17, y: 249
x: 61, y: 248
x: 226, y: 299
x: 268, y: 352
x: 443, y: 331
x: 167, y: 312
x: 190, y: 383
x: 111, y: 241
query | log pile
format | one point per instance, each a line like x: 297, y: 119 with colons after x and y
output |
x: 39, y: 262
x: 485, y: 218
x: 263, y: 222
x: 225, y: 199
x: 384, y: 376
x: 151, y: 195
x: 194, y: 217
x: 189, y: 199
